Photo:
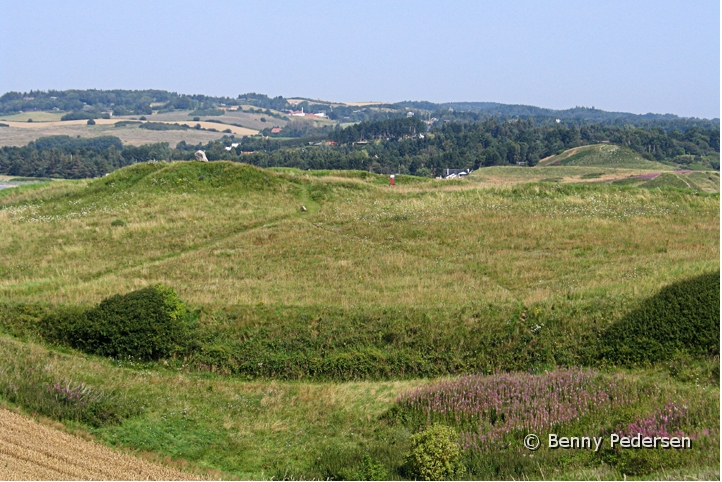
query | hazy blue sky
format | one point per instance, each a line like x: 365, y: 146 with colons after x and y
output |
x: 634, y: 56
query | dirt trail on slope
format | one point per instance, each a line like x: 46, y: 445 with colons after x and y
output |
x: 31, y: 451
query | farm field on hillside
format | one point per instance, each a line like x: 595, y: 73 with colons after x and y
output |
x: 326, y: 304
x: 19, y: 134
x: 36, y: 116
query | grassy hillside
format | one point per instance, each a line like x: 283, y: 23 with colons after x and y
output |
x: 20, y: 134
x: 312, y: 324
x: 224, y: 233
x: 701, y: 181
x: 602, y: 155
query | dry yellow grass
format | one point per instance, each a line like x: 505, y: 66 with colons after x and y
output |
x: 36, y: 116
x: 20, y: 133
x: 241, y: 131
x: 404, y: 247
x: 50, y: 124
x: 32, y: 451
x: 361, y: 104
x: 206, y: 125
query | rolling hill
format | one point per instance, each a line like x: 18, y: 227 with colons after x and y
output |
x: 313, y: 326
x: 602, y: 155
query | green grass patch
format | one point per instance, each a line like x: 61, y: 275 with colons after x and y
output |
x: 591, y: 175
x: 603, y: 155
x: 669, y: 180
x: 682, y: 319
x: 25, y: 380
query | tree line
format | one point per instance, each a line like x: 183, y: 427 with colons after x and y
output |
x: 401, y: 145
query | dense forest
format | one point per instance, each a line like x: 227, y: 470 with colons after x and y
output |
x: 400, y: 145
x: 75, y: 158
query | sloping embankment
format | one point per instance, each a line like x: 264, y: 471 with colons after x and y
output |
x: 31, y: 451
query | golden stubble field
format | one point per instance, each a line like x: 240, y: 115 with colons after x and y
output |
x: 32, y: 451
x: 20, y: 133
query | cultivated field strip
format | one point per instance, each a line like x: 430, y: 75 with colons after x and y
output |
x: 31, y: 451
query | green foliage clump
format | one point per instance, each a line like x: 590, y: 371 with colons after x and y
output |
x: 163, y: 126
x: 591, y: 175
x: 683, y: 318
x: 80, y: 115
x: 146, y: 324
x: 435, y: 454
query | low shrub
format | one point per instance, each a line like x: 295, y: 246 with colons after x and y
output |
x: 435, y: 454
x: 682, y: 319
x: 146, y: 324
x: 162, y: 126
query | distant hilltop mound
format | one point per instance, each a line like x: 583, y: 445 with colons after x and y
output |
x: 602, y: 155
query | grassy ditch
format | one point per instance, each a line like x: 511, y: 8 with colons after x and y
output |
x: 363, y: 430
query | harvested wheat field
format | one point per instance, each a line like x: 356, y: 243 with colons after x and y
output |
x: 31, y: 451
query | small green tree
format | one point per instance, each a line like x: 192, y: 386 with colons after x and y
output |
x: 91, y: 122
x: 435, y: 454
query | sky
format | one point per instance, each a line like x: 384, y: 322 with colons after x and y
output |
x: 630, y: 56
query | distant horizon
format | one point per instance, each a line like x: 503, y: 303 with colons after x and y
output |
x: 335, y: 101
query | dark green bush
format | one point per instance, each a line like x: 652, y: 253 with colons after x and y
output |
x: 147, y: 324
x: 682, y: 319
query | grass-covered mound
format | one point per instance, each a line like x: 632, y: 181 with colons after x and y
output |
x: 602, y: 155
x: 147, y: 324
x: 667, y: 179
x: 190, y: 177
x: 683, y: 318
